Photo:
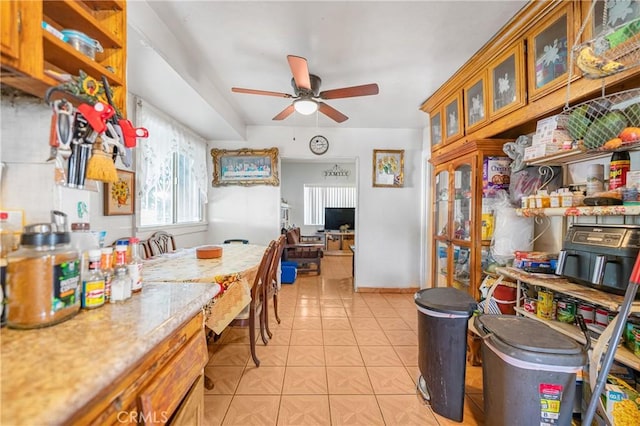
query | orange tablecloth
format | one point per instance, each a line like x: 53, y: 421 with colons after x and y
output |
x: 235, y: 272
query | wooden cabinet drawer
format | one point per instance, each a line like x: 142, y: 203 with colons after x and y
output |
x: 163, y: 395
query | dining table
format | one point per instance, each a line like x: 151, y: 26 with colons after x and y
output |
x: 234, y: 271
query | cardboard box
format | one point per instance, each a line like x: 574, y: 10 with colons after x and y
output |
x: 633, y: 179
x: 541, y: 150
x: 553, y: 136
x: 496, y: 174
x: 549, y: 124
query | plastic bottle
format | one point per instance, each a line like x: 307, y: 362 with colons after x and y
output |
x: 106, y: 262
x: 7, y: 245
x: 83, y: 240
x: 121, y: 284
x: 554, y: 199
x: 135, y: 265
x: 93, y: 282
x: 618, y: 168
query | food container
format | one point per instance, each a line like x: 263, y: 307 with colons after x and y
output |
x: 530, y: 305
x: 587, y: 311
x: 545, y: 304
x: 82, y: 43
x: 566, y: 311
x: 602, y: 317
x: 43, y: 279
x: 208, y: 252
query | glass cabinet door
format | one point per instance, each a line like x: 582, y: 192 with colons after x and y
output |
x: 462, y: 202
x: 441, y: 270
x: 441, y: 207
x: 461, y: 267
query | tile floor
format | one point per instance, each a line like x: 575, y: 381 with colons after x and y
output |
x: 337, y: 358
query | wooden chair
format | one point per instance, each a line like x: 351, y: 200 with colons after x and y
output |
x: 255, y: 308
x: 161, y: 242
x: 145, y: 250
x: 273, y: 286
x: 236, y: 241
x: 304, y: 254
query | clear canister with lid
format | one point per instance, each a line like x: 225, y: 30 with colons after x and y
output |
x: 43, y: 278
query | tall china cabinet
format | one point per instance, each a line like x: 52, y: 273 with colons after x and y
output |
x: 457, y: 201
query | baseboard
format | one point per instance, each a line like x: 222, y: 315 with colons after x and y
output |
x: 386, y: 290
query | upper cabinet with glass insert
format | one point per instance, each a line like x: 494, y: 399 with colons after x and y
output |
x: 475, y: 103
x: 453, y: 127
x: 436, y: 129
x: 608, y: 15
x: 506, y: 81
x: 548, y: 51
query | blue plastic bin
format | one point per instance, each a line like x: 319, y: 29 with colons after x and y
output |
x: 288, y: 272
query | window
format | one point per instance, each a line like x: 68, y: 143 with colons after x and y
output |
x: 317, y: 197
x: 172, y: 171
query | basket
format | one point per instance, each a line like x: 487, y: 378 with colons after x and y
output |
x: 606, y: 123
x: 609, y: 53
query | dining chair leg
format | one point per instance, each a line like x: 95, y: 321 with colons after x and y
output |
x: 252, y: 338
x: 275, y: 306
x: 263, y: 326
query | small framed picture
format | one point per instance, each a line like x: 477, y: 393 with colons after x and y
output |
x: 388, y: 168
x: 119, y: 197
x: 245, y: 167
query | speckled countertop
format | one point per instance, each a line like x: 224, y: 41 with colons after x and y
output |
x: 47, y: 374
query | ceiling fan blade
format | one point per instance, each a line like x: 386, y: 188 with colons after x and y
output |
x: 300, y: 71
x: 285, y: 113
x: 331, y: 112
x: 350, y: 92
x: 260, y: 92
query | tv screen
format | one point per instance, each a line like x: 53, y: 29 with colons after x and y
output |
x: 335, y: 217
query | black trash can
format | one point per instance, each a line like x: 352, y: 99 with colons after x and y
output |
x: 528, y: 371
x: 443, y: 316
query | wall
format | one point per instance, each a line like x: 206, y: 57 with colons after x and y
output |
x: 296, y: 173
x: 28, y: 179
x: 389, y: 240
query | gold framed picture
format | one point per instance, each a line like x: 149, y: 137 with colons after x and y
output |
x: 388, y: 168
x: 245, y: 167
x: 119, y: 197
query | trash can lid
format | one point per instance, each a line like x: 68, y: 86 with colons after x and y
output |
x: 446, y: 299
x: 529, y: 335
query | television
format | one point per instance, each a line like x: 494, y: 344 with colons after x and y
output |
x: 335, y: 217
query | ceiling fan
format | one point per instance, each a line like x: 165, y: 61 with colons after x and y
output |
x: 307, y: 92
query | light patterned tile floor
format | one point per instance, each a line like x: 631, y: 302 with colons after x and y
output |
x: 337, y: 358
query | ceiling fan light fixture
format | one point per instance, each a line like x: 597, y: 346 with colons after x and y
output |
x: 305, y: 106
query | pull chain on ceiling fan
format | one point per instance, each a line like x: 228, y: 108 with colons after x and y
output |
x: 308, y: 98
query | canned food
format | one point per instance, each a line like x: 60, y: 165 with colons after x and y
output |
x: 602, y: 317
x: 545, y: 304
x: 587, y: 311
x: 566, y: 311
x: 530, y: 305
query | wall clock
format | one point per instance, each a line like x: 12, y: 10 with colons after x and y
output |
x: 319, y: 145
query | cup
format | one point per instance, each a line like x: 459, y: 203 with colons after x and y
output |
x: 595, y: 179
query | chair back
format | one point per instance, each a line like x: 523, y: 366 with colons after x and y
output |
x: 161, y: 242
x: 236, y: 241
x: 257, y: 291
x: 273, y: 269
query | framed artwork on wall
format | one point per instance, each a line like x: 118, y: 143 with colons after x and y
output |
x: 245, y: 167
x: 119, y: 197
x: 388, y: 168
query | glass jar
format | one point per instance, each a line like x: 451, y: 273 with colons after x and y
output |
x: 43, y: 279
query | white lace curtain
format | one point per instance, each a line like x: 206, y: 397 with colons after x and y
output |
x: 167, y: 137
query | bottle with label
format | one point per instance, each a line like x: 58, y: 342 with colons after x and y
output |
x: 135, y: 265
x: 93, y: 282
x: 618, y: 168
x: 7, y: 245
x: 106, y: 262
x: 43, y: 280
x: 121, y: 284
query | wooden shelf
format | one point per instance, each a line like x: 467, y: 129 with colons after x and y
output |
x: 622, y: 355
x: 74, y: 15
x: 62, y: 55
x: 582, y: 211
x: 610, y: 301
x: 105, y: 4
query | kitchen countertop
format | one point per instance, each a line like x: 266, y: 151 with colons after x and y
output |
x: 48, y: 374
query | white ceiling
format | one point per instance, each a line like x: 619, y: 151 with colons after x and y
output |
x: 184, y: 56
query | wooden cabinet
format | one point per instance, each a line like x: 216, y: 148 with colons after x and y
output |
x: 191, y: 411
x: 153, y: 390
x: 435, y: 127
x: 453, y: 127
x: 549, y: 46
x: 507, y: 86
x: 476, y: 111
x: 457, y: 200
x: 31, y: 54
